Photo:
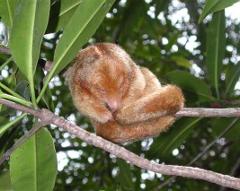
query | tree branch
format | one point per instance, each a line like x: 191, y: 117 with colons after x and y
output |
x: 92, y: 139
x: 209, y: 112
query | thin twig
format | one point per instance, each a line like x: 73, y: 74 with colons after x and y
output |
x: 121, y: 152
x: 209, y: 112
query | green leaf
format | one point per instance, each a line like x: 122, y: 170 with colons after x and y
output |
x: 9, y: 124
x: 181, y: 61
x: 1, y: 106
x: 5, y: 63
x: 232, y: 77
x: 67, y: 9
x: 15, y: 99
x: 189, y: 83
x: 212, y: 6
x: 5, y: 183
x: 178, y: 138
x: 30, y: 22
x: 29, y: 25
x: 221, y: 124
x: 80, y: 28
x: 215, y: 49
x: 161, y: 5
x: 8, y: 90
x: 166, y: 142
x: 33, y: 166
x: 125, y: 175
x: 7, y: 8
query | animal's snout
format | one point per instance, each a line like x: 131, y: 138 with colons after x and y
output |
x: 112, y: 105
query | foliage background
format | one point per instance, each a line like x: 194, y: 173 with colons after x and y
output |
x: 201, y: 57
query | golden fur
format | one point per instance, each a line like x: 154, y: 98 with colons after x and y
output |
x: 123, y: 100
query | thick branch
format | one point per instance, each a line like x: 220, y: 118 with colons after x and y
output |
x: 121, y: 152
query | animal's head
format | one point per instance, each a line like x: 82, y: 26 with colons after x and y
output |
x: 104, y: 72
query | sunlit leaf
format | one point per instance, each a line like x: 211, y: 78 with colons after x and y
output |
x: 33, y: 165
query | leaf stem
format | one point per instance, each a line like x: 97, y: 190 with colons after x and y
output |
x: 4, y: 87
x: 15, y: 99
x: 5, y: 127
x: 33, y: 96
x: 6, y: 63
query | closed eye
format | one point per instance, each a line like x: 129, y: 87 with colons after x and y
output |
x: 107, y: 106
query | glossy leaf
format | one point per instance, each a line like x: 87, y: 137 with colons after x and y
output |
x: 5, y: 183
x: 30, y: 22
x: 212, y: 6
x: 215, y: 49
x: 67, y: 9
x: 189, y: 83
x: 33, y: 165
x: 7, y: 8
x: 80, y: 28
